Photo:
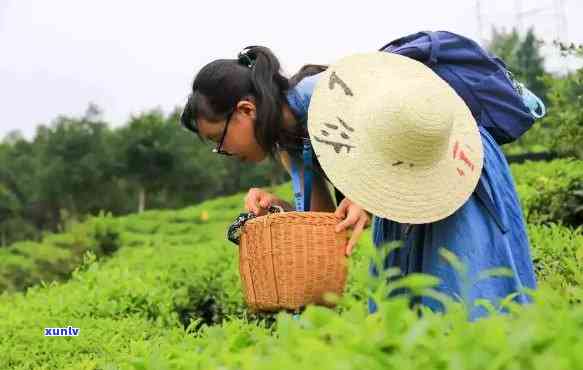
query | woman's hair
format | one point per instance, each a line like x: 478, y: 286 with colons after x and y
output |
x: 255, y: 74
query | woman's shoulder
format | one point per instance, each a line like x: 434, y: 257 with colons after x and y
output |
x: 299, y: 96
x: 307, y: 84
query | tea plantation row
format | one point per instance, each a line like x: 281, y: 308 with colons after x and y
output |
x: 167, y: 296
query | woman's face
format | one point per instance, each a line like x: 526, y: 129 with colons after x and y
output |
x: 240, y: 136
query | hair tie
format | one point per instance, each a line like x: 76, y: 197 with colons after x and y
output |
x: 247, y: 57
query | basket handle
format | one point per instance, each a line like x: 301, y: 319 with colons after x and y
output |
x: 234, y: 231
x: 275, y: 209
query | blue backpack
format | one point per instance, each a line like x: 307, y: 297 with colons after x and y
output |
x: 499, y: 103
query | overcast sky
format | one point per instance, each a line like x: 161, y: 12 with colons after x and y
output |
x: 128, y: 56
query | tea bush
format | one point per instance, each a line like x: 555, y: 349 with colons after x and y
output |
x: 551, y: 192
x: 132, y: 310
x: 548, y: 192
x: 24, y: 264
x: 169, y: 297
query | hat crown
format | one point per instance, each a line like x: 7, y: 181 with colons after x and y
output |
x: 416, y: 129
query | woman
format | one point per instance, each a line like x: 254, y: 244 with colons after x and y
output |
x: 396, y: 167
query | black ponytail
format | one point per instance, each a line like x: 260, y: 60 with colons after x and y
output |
x: 270, y: 89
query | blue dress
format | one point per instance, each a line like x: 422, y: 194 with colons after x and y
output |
x: 487, y: 232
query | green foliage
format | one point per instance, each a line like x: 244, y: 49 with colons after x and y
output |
x: 551, y: 192
x: 106, y: 234
x: 170, y: 297
x: 561, y: 130
x: 77, y: 167
x: 558, y: 256
x: 564, y: 123
x: 25, y: 264
x: 395, y: 338
x: 73, y: 157
x: 145, y: 152
x: 16, y: 228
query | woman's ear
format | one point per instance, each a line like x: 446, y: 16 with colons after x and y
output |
x: 247, y: 108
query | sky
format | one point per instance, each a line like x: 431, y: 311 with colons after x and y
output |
x: 130, y: 56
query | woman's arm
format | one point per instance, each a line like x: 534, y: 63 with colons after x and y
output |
x: 322, y: 200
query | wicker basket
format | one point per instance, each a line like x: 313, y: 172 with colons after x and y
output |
x: 292, y: 259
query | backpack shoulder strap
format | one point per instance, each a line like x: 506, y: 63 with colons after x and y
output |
x: 303, y: 194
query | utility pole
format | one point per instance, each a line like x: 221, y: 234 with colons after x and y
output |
x: 519, y: 16
x: 550, y: 13
x: 479, y: 22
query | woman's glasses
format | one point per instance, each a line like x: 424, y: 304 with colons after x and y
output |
x: 219, y: 148
x: 188, y: 124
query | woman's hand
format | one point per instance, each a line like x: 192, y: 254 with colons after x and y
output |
x: 258, y: 201
x: 355, y: 218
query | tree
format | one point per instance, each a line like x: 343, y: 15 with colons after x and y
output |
x: 530, y: 64
x: 145, y: 153
x: 198, y: 173
x: 75, y: 163
x: 564, y: 122
x: 17, y: 182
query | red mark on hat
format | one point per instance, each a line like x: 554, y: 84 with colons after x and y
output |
x: 460, y: 172
x: 466, y: 160
x: 460, y: 154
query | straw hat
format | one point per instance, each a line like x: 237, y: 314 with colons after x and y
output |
x: 394, y: 137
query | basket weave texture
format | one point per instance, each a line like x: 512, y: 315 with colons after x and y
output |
x: 292, y: 259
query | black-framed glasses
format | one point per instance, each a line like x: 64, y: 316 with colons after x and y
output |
x: 219, y: 148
